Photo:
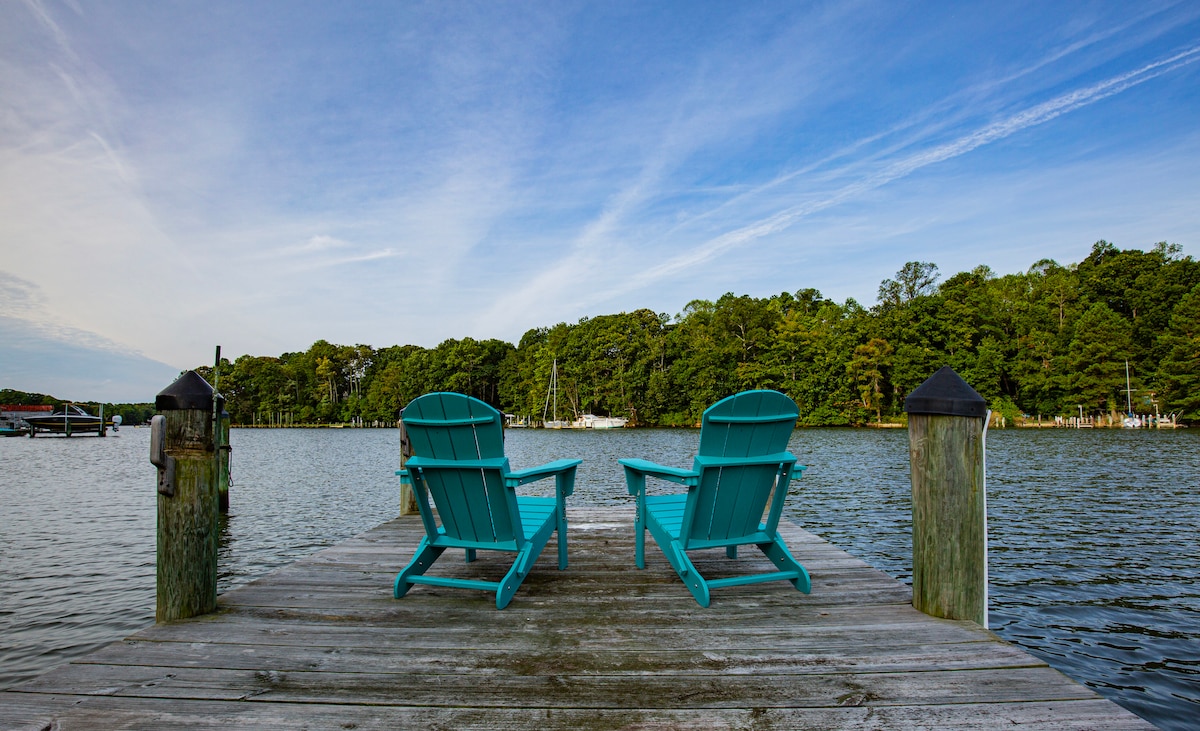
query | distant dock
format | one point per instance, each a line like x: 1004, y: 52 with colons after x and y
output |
x: 321, y: 643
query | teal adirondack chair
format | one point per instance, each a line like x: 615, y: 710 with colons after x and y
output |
x: 458, y: 461
x: 743, y: 464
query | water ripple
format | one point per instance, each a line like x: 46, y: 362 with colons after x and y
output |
x: 1094, y: 562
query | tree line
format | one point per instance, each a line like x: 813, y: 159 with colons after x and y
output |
x: 1047, y: 341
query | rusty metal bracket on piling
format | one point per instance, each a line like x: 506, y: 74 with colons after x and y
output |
x: 159, y: 457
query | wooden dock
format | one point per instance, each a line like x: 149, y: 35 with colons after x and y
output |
x: 321, y: 644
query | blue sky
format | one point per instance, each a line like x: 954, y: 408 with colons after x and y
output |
x: 261, y: 175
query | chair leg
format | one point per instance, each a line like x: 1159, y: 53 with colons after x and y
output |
x: 639, y: 528
x: 687, y: 572
x: 421, y: 561
x: 470, y: 555
x: 730, y: 551
x: 562, y: 539
x: 777, y: 552
x: 512, y: 580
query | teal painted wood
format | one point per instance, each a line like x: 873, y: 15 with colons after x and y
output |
x: 458, y: 467
x: 741, y: 472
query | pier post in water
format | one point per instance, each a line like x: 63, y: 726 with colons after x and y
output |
x: 182, y: 445
x: 946, y: 428
x: 223, y: 450
x: 408, y: 500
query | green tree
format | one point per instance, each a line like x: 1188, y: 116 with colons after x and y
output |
x: 1096, y: 361
x: 868, y: 366
x: 1180, y: 377
x: 915, y: 279
x: 1039, y: 341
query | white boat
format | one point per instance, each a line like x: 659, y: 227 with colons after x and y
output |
x: 591, y: 421
x: 587, y: 421
x: 609, y: 422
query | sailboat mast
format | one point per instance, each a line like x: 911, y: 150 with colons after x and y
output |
x: 1128, y: 402
x: 552, y: 393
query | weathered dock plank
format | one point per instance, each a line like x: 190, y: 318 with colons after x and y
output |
x: 159, y: 715
x: 322, y: 644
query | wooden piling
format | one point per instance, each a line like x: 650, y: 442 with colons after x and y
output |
x: 408, y: 500
x: 187, y: 507
x: 946, y: 423
x: 223, y: 450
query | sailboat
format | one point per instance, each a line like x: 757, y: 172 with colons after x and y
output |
x: 1131, y: 420
x: 552, y: 393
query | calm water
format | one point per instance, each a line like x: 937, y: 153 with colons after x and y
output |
x: 1094, y: 566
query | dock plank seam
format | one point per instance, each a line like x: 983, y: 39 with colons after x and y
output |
x: 320, y: 643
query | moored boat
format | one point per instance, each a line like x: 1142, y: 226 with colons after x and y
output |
x: 13, y: 428
x: 591, y: 421
x: 68, y: 420
x: 12, y: 418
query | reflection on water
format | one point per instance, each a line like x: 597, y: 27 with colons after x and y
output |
x: 1094, y: 560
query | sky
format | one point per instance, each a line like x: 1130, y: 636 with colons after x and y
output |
x: 177, y: 176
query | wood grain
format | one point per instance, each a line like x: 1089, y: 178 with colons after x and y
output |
x: 322, y: 644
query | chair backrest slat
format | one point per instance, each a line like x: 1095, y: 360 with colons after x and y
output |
x: 730, y: 499
x: 472, y: 502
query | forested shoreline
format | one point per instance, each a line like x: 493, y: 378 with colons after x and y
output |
x: 1043, y: 342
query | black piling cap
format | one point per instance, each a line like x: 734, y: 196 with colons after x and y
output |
x: 947, y: 394
x: 189, y: 391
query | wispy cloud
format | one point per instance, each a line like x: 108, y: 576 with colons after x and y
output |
x: 18, y: 297
x: 225, y: 173
x: 38, y: 9
x: 23, y: 305
x: 331, y: 262
x: 1012, y: 124
x: 318, y: 244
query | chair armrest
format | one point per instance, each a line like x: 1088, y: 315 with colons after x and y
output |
x: 541, y: 472
x: 562, y: 470
x: 405, y: 479
x: 494, y: 463
x: 798, y: 471
x: 778, y: 458
x: 642, y: 468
